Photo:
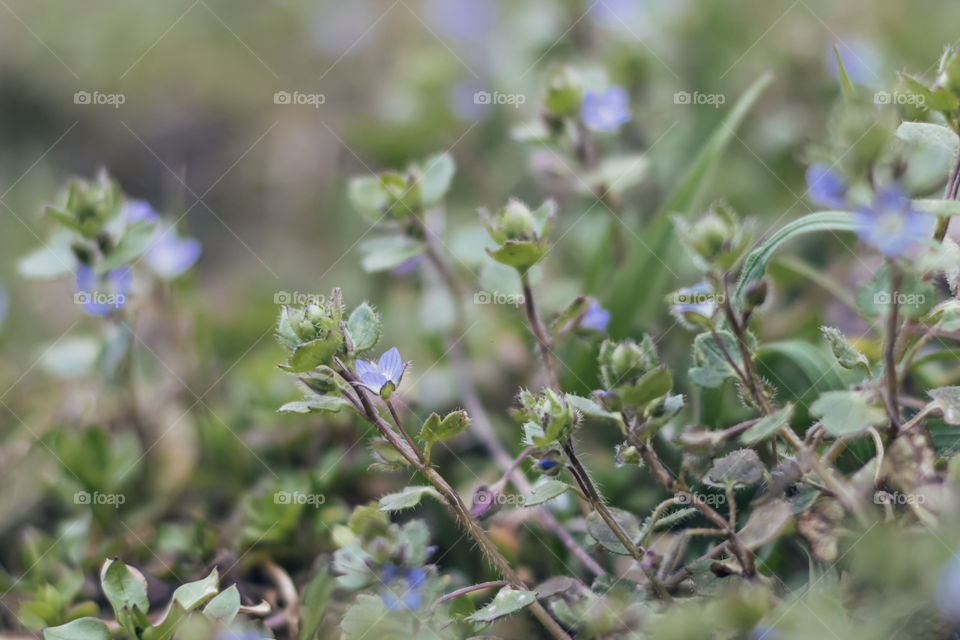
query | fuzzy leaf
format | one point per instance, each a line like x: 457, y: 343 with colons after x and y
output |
x: 224, y: 606
x: 79, y: 629
x: 436, y: 429
x: 767, y: 426
x: 766, y: 523
x: 843, y: 351
x: 520, y: 255
x: 742, y: 467
x: 407, y: 498
x: 506, y: 602
x: 545, y: 492
x: 603, y: 534
x: 364, y: 328
x: 316, y: 404
x: 846, y: 412
x: 193, y: 594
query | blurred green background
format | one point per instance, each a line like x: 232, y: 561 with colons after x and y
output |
x: 199, y: 134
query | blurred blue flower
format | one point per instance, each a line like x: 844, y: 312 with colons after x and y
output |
x: 99, y: 295
x: 763, y: 632
x: 137, y: 210
x: 605, y: 110
x: 596, y: 317
x: 465, y: 19
x: 388, y: 369
x: 861, y: 60
x: 4, y: 304
x: 404, y: 592
x: 948, y: 592
x: 826, y: 186
x: 891, y: 225
x: 170, y: 255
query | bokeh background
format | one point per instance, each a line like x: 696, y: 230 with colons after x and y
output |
x: 263, y: 186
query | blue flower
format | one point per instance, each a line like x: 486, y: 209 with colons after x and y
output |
x: 389, y: 369
x: 891, y: 225
x: 826, y: 186
x: 763, y: 632
x: 100, y: 295
x: 137, y: 210
x: 406, y: 586
x: 605, y: 110
x: 596, y: 317
x: 546, y: 464
x: 170, y: 255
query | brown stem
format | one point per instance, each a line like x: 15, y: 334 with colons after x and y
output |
x: 890, y: 349
x: 539, y: 332
x: 403, y: 432
x: 453, y: 502
x: 470, y: 589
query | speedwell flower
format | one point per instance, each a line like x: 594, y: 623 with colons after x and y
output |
x: 387, y: 371
x: 605, y: 110
x: 99, y: 295
x: 404, y: 590
x: 596, y: 317
x: 891, y: 225
x: 826, y: 186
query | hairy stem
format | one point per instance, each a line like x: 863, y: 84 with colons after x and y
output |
x: 539, y: 332
x: 474, y: 587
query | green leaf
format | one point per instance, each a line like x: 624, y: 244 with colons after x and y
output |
x: 310, y: 355
x: 843, y: 351
x: 436, y: 173
x: 816, y: 364
x: 929, y: 135
x: 604, y: 535
x: 369, y: 619
x: 364, y: 328
x: 937, y: 207
x: 507, y: 602
x: 407, y: 498
x: 79, y: 629
x: 166, y: 628
x: 134, y: 242
x: 766, y: 523
x: 846, y: 87
x: 382, y: 254
x: 588, y: 407
x: 615, y: 175
x: 192, y: 594
x: 947, y: 401
x: 650, y: 245
x: 939, y: 99
x: 519, y: 254
x: 916, y: 296
x: 755, y: 265
x: 437, y: 430
x: 122, y: 587
x: 54, y: 260
x: 316, y: 404
x: 653, y: 384
x: 712, y: 367
x: 742, y: 467
x: 545, y: 492
x: 313, y: 604
x: 946, y: 314
x: 767, y: 426
x: 367, y: 197
x: 846, y: 412
x: 224, y: 606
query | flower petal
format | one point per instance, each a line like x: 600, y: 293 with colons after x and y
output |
x: 369, y: 376
x: 391, y: 365
x: 170, y: 255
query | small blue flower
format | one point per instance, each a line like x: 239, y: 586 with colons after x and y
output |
x: 763, y: 632
x: 406, y: 587
x: 546, y: 464
x: 605, y: 110
x: 596, y: 317
x: 100, y: 295
x: 137, y: 210
x: 826, y: 186
x: 170, y: 255
x: 389, y: 368
x: 891, y: 225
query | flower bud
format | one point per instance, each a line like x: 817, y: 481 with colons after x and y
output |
x: 516, y: 221
x: 627, y: 454
x: 486, y: 502
x: 755, y: 295
x: 564, y: 92
x: 550, y: 464
x: 948, y: 75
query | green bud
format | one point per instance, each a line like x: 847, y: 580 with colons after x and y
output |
x: 948, y: 75
x: 516, y: 221
x: 564, y: 92
x: 756, y: 294
x: 306, y: 330
x: 717, y: 240
x: 627, y: 454
x: 314, y: 313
